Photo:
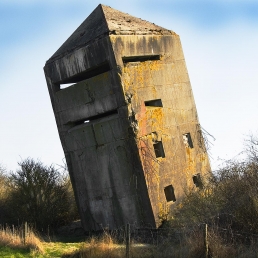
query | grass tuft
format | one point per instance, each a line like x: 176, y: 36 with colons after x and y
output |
x: 12, y: 238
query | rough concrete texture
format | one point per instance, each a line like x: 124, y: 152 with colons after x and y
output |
x: 128, y: 125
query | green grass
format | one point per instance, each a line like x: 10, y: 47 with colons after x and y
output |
x: 107, y: 247
x: 7, y: 252
x: 57, y: 249
x: 51, y: 250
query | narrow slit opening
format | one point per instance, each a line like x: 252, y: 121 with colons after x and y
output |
x: 92, y: 72
x: 129, y: 59
x: 170, y: 193
x: 187, y: 139
x: 93, y: 118
x: 66, y: 85
x: 153, y: 103
x: 159, y: 150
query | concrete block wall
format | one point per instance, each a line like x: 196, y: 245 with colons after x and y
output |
x: 128, y: 124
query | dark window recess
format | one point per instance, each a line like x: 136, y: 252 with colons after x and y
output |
x: 169, y: 193
x: 159, y: 150
x: 153, y: 103
x: 102, y: 68
x: 92, y: 118
x: 128, y: 59
x: 188, y: 140
x: 197, y: 180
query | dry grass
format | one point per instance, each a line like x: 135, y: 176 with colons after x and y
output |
x: 107, y: 247
x: 104, y: 246
x: 218, y: 246
x: 13, y: 239
x: 190, y: 245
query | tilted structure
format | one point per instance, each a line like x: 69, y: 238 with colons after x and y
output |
x: 128, y: 123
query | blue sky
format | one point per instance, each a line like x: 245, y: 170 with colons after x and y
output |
x: 219, y: 39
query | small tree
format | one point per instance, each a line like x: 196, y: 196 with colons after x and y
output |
x: 251, y: 148
x: 2, y: 183
x: 3, y: 193
x: 39, y: 195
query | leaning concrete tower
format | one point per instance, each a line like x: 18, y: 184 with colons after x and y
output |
x: 127, y: 120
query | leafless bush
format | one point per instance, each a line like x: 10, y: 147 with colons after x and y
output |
x: 251, y: 148
x: 39, y: 194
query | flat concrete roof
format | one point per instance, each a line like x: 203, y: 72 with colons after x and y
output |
x: 103, y: 21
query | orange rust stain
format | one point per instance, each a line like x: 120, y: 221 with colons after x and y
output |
x: 126, y: 80
x: 154, y: 91
x: 157, y: 116
x: 190, y: 163
x: 157, y: 113
x: 139, y: 74
x: 142, y: 120
x: 154, y: 66
x: 202, y: 157
x: 151, y: 169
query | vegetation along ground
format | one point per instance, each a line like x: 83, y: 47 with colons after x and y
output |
x: 226, y: 203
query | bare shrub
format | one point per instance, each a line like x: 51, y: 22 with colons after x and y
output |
x: 229, y: 200
x: 40, y: 195
x: 251, y: 148
x: 228, y: 203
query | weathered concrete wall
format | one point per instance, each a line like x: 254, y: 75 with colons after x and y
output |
x: 166, y: 80
x: 101, y: 154
x: 124, y: 123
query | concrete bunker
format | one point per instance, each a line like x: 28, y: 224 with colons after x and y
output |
x: 126, y: 118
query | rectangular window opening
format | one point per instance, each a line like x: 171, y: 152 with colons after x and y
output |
x: 197, y: 180
x: 153, y: 103
x: 129, y: 59
x: 66, y: 85
x: 170, y: 193
x: 159, y: 150
x: 94, y: 71
x: 93, y: 118
x: 188, y: 140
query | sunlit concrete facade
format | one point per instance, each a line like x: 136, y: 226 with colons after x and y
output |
x: 128, y: 124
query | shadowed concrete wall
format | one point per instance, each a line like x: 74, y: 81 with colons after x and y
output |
x: 128, y: 125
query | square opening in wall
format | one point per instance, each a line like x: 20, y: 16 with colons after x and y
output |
x: 188, y: 140
x: 169, y: 193
x: 159, y: 150
x: 197, y: 180
x: 153, y: 103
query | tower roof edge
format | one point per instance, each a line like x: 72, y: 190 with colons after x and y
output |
x: 105, y: 20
